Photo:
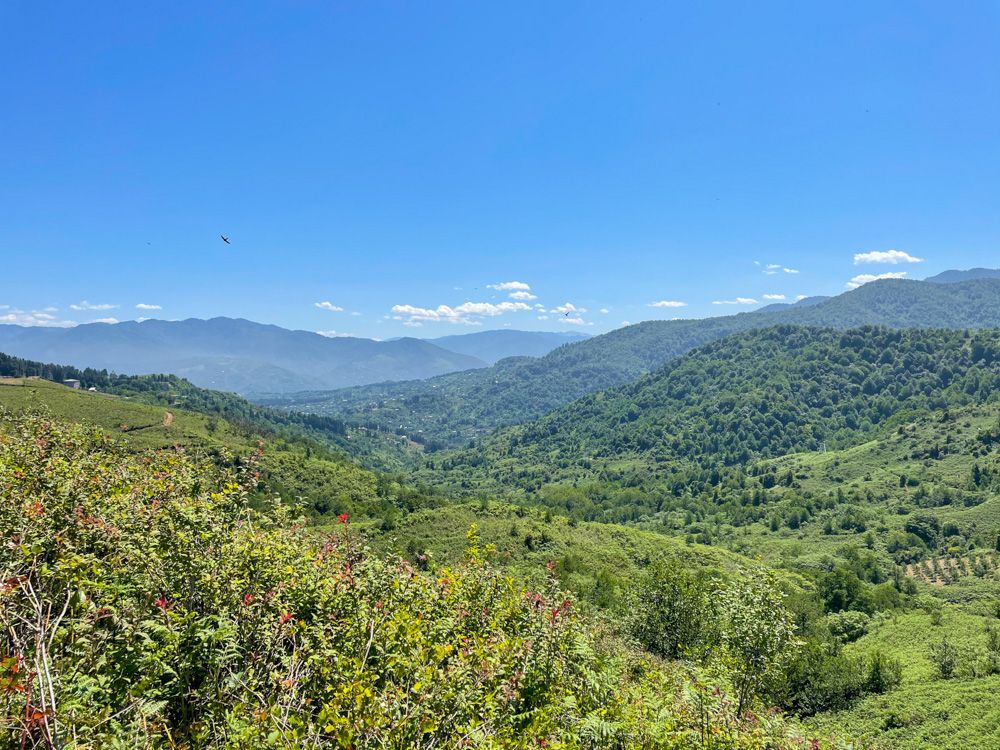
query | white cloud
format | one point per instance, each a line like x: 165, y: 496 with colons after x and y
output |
x: 890, y: 256
x: 573, y: 321
x: 626, y: 323
x: 19, y: 317
x: 770, y: 273
x: 667, y: 303
x: 333, y: 334
x: 355, y: 313
x: 466, y: 313
x: 142, y: 306
x: 568, y: 308
x: 800, y: 296
x: 774, y: 265
x: 141, y: 320
x: 87, y: 306
x: 543, y: 317
x: 774, y: 296
x: 866, y: 277
x: 605, y: 310
x: 51, y: 309
x: 509, y: 286
x: 522, y: 295
x: 111, y: 321
x: 329, y: 306
x: 790, y: 270
x: 737, y: 301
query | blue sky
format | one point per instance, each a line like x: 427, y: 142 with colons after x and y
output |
x: 401, y: 160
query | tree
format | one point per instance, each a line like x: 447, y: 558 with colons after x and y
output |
x: 759, y: 636
x: 671, y: 612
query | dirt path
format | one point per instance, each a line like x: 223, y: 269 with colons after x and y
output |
x: 168, y: 419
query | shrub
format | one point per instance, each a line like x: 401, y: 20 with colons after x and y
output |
x: 944, y: 656
x: 849, y: 625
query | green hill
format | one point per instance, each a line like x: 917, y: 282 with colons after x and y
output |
x: 294, y: 466
x: 750, y: 396
x: 450, y: 410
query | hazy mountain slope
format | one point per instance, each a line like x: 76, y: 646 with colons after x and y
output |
x: 236, y: 354
x: 454, y: 408
x: 951, y: 277
x: 491, y: 346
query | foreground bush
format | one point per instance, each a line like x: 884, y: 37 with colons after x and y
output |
x: 143, y: 604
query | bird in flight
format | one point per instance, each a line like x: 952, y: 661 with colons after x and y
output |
x: 567, y: 314
x: 225, y: 240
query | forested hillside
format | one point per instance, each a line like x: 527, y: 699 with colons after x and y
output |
x: 747, y: 397
x: 452, y: 409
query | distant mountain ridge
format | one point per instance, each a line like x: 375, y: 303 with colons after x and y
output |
x: 234, y: 354
x: 804, y: 302
x: 492, y: 346
x: 453, y: 408
x: 952, y: 277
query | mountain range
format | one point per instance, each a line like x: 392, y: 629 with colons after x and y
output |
x: 453, y: 408
x: 240, y: 356
x: 233, y: 354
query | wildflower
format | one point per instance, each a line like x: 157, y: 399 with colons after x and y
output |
x: 285, y: 618
x: 247, y: 599
x: 342, y: 518
x: 163, y: 604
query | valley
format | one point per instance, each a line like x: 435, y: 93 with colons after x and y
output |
x: 857, y: 465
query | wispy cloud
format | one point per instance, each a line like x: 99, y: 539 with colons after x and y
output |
x: 626, y: 323
x: 510, y: 286
x: 334, y: 334
x: 574, y: 321
x: 866, y: 277
x: 790, y: 270
x: 110, y: 321
x: 774, y: 296
x: 88, y: 306
x: 667, y: 303
x: 465, y: 314
x: 522, y: 295
x: 888, y: 256
x: 355, y: 313
x: 737, y: 301
x: 329, y: 306
x: 543, y: 317
x: 800, y: 296
x: 143, y: 306
x: 605, y: 310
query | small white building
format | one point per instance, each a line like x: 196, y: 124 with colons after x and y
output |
x: 72, y: 384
